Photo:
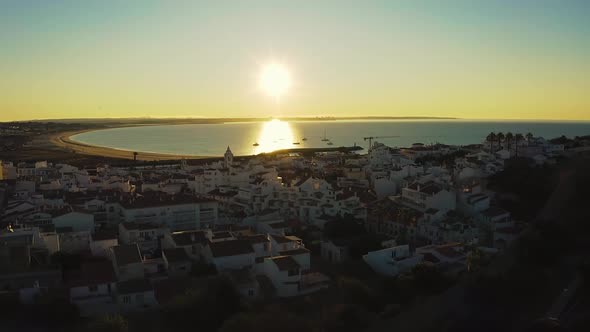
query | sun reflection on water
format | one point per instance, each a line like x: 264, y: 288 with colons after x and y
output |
x: 275, y: 135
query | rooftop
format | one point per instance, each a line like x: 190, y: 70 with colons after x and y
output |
x: 253, y: 239
x: 185, y: 238
x: 90, y: 273
x: 175, y: 255
x: 102, y: 235
x: 127, y: 254
x: 158, y: 199
x: 230, y: 248
x: 129, y: 225
x: 285, y: 263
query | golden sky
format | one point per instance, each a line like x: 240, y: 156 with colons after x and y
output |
x: 475, y: 60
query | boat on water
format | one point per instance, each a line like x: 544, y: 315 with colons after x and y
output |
x: 304, y: 139
x: 330, y: 143
x: 296, y: 143
x: 325, y: 139
x: 255, y: 144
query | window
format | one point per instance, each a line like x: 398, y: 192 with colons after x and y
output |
x: 126, y: 299
x: 93, y: 288
x: 250, y: 292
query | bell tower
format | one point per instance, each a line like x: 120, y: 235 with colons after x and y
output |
x: 228, y: 158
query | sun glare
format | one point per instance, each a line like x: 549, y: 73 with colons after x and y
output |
x: 275, y: 80
x: 274, y: 135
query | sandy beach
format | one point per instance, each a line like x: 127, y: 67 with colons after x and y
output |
x: 63, y: 141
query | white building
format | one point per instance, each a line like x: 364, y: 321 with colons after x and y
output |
x: 177, y: 212
x: 78, y: 221
x: 289, y: 279
x: 147, y: 235
x: 176, y: 262
x: 392, y: 261
x: 101, y: 242
x: 430, y: 195
x: 92, y: 288
x: 135, y: 295
x: 230, y: 255
x: 127, y: 262
x: 193, y: 242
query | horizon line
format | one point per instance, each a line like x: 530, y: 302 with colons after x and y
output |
x: 334, y: 118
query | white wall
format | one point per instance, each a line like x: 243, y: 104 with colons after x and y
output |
x: 236, y: 262
x: 102, y: 248
x: 78, y: 221
x: 392, y: 261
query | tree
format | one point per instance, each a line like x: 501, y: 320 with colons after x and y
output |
x: 500, y: 138
x: 110, y: 323
x: 211, y: 304
x: 362, y: 244
x: 517, y: 139
x: 509, y: 137
x: 271, y: 319
x: 529, y: 137
x: 346, y: 317
x: 491, y: 138
x: 354, y: 291
x: 428, y: 278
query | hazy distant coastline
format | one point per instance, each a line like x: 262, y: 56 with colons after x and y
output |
x: 170, y: 121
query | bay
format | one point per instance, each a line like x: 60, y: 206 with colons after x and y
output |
x: 213, y: 139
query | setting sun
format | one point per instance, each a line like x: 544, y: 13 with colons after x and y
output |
x: 275, y: 80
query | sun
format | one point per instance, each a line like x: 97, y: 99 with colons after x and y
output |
x: 275, y: 80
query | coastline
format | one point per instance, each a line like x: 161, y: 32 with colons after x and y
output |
x: 64, y: 141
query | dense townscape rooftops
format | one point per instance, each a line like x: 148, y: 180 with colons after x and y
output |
x: 137, y: 232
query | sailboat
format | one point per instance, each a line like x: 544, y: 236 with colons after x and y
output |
x: 255, y: 144
x: 325, y: 139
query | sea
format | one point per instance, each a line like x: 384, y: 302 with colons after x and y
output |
x: 249, y: 138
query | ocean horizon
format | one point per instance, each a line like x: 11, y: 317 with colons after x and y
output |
x: 248, y: 138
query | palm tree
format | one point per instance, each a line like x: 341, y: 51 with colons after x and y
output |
x: 509, y: 137
x: 500, y: 137
x: 517, y: 138
x: 529, y: 136
x: 491, y: 138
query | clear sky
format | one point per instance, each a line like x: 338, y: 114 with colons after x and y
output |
x: 471, y: 59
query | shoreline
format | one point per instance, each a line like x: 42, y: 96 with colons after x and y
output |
x: 64, y: 141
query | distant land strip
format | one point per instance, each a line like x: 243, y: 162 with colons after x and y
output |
x: 161, y: 121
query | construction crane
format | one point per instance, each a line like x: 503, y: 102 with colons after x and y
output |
x: 371, y: 138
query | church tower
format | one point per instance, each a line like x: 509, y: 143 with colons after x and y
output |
x: 228, y: 158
